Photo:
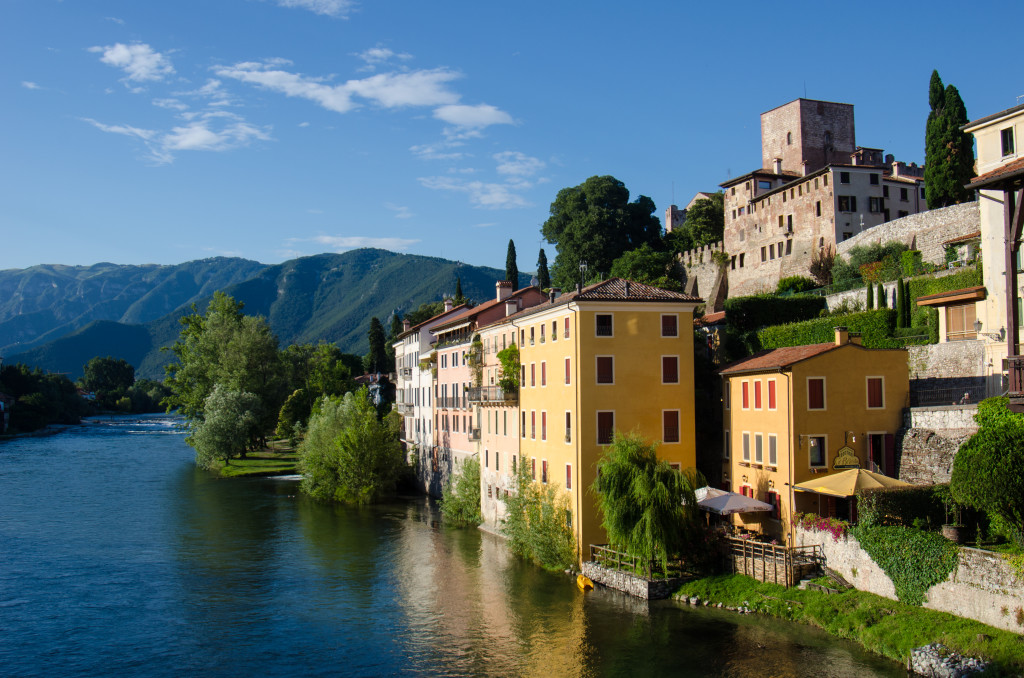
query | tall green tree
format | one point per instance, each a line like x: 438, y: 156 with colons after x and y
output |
x: 871, y: 296
x: 881, y: 301
x: 376, y: 359
x: 543, y: 275
x: 648, y: 266
x: 460, y: 505
x: 460, y: 298
x: 901, y: 306
x: 949, y: 151
x: 647, y: 507
x: 230, y: 425
x: 511, y: 267
x: 348, y: 454
x: 535, y: 524
x: 109, y: 378
x: 595, y: 222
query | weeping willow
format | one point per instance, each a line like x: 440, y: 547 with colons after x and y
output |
x: 649, y: 509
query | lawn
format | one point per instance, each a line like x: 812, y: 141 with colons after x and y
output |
x: 278, y: 458
x: 883, y: 626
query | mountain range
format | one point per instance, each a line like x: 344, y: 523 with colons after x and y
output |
x: 58, y: 317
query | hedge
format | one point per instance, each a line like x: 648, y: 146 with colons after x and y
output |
x: 746, y: 314
x: 876, y: 328
x: 965, y: 277
x: 900, y: 506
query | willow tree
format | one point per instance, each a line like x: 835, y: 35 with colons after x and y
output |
x: 648, y: 508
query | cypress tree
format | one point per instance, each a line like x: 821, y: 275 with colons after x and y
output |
x: 881, y: 301
x: 511, y: 268
x: 376, y: 359
x: 543, y: 276
x: 901, y: 307
x: 871, y: 296
x: 949, y: 152
x: 459, y: 299
x: 908, y: 303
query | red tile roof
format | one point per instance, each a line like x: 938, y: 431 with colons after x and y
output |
x: 417, y: 326
x: 963, y: 238
x: 710, y: 318
x: 470, y: 313
x: 778, y: 358
x: 1007, y: 172
x: 613, y: 289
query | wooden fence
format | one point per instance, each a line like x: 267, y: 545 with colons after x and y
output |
x: 783, y: 565
x: 609, y: 558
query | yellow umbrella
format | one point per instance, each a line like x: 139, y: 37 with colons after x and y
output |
x: 846, y: 483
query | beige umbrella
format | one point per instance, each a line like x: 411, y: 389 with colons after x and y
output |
x: 846, y: 483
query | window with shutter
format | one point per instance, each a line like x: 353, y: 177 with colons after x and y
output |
x: 771, y: 394
x: 876, y: 397
x: 605, y: 427
x: 605, y: 370
x: 670, y: 369
x: 815, y: 393
x: 670, y: 426
x: 669, y: 326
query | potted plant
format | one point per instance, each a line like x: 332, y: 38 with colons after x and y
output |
x: 953, y: 529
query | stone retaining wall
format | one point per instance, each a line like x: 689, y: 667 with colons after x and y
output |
x: 940, y: 417
x: 983, y: 586
x: 926, y: 456
x: 953, y: 358
x: 925, y: 231
x: 630, y: 583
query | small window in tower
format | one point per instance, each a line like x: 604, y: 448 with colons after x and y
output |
x: 789, y: 138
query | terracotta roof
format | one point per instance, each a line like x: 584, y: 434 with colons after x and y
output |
x: 613, y: 289
x: 962, y: 238
x: 710, y: 318
x: 429, y: 320
x: 762, y: 172
x: 778, y: 358
x: 993, y: 116
x: 903, y: 180
x: 1004, y: 173
x: 469, y: 313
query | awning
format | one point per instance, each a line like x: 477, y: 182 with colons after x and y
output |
x: 846, y: 483
x: 726, y: 503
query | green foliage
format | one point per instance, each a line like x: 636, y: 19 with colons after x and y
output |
x: 596, y: 223
x: 536, y: 523
x: 543, y: 275
x: 510, y: 368
x: 881, y: 301
x: 815, y: 523
x: 293, y: 412
x: 745, y: 314
x: 461, y: 503
x: 147, y: 395
x: 912, y: 263
x: 348, y: 454
x: 376, y: 359
x: 229, y: 425
x: 704, y: 225
x: 40, y: 399
x: 883, y: 262
x: 988, y: 470
x: 795, y: 284
x: 459, y: 297
x: 647, y: 507
x: 312, y: 371
x: 900, y: 506
x: 902, y: 319
x: 871, y: 296
x: 511, y: 267
x: 648, y: 266
x: 823, y: 261
x: 913, y: 559
x: 949, y: 151
x: 109, y: 378
x: 475, y: 360
x: 876, y: 329
x: 425, y: 312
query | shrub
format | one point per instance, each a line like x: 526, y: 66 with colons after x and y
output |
x: 461, y: 503
x: 899, y: 506
x: 745, y: 314
x: 913, y: 559
x: 876, y: 328
x: 536, y: 523
x: 812, y: 521
x: 795, y: 284
x: 911, y: 263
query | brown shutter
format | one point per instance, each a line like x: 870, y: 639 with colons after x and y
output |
x: 670, y: 369
x: 815, y: 394
x: 605, y: 370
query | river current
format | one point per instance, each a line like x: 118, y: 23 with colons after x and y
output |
x: 119, y: 558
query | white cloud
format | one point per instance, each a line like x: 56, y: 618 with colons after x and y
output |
x: 390, y: 90
x: 378, y: 55
x: 400, y: 211
x: 440, y: 150
x: 481, y: 115
x: 119, y: 22
x: 126, y: 130
x: 172, y: 104
x: 340, y: 243
x: 139, y: 61
x: 516, y: 164
x: 335, y: 8
x: 28, y: 84
x: 303, y: 124
x: 482, y: 194
x: 486, y: 224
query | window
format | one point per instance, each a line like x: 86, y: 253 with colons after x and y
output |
x: 568, y: 427
x: 745, y: 388
x: 497, y: 461
x: 789, y: 138
x: 817, y: 208
x: 758, y: 448
x: 543, y: 373
x: 604, y: 325
x: 568, y: 371
x: 542, y: 334
x: 487, y: 459
x: 847, y: 203
x: 727, y: 446
x: 815, y: 393
x: 522, y: 429
x: 670, y: 326
x: 757, y: 394
x: 771, y: 251
x: 876, y: 392
x: 531, y: 336
x: 904, y: 196
x: 533, y: 374
x: 670, y: 369
x: 902, y: 213
x: 764, y: 254
x: 543, y: 425
x: 771, y: 394
x: 568, y: 476
x: 605, y: 369
x: 847, y: 235
x: 773, y: 450
x: 522, y: 337
x: 1006, y: 139
x: 746, y: 447
x: 513, y: 463
x: 566, y: 328
x: 873, y: 179
x: 670, y: 426
x: 875, y: 204
x: 960, y: 322
x: 789, y: 247
x: 844, y: 177
x: 885, y: 191
x: 773, y: 499
x: 824, y: 180
x: 605, y: 427
x: 789, y: 223
x: 554, y: 330
x: 764, y: 185
x: 741, y: 259
x: 817, y: 451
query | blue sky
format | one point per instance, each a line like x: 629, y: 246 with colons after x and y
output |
x: 159, y: 132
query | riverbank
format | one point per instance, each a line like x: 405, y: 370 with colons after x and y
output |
x: 278, y: 458
x: 883, y: 626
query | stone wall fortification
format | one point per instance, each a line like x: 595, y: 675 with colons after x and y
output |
x: 925, y: 231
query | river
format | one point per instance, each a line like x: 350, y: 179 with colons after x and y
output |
x: 119, y: 557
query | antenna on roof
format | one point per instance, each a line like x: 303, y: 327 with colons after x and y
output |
x: 1019, y: 97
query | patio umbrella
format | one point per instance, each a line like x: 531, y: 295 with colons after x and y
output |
x: 726, y: 503
x: 846, y: 483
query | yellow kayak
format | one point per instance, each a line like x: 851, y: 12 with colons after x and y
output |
x: 583, y: 582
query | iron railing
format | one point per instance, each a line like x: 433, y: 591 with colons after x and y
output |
x: 963, y: 395
x: 492, y: 394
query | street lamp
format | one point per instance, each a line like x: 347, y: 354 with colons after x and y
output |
x: 583, y: 272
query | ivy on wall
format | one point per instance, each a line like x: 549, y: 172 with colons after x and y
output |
x: 913, y: 559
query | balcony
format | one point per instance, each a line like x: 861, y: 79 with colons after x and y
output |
x: 474, y: 434
x: 405, y: 372
x: 405, y: 409
x: 492, y: 394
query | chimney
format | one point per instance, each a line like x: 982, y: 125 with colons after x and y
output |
x: 557, y: 291
x: 803, y: 167
x: 855, y: 338
x: 406, y: 325
x: 447, y: 304
x: 511, y: 307
x: 842, y: 336
x: 504, y: 289
x: 627, y: 288
x: 777, y: 165
x: 551, y: 296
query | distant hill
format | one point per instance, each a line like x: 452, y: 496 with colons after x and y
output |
x: 43, y: 303
x: 328, y: 297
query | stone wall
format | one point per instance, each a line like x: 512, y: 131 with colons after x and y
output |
x: 925, y: 231
x: 859, y: 296
x: 630, y: 583
x: 704, y: 277
x: 950, y: 359
x: 925, y: 457
x: 942, y: 417
x: 983, y: 586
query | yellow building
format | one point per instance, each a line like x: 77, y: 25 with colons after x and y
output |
x: 792, y: 413
x: 614, y: 356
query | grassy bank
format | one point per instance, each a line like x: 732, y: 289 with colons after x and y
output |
x: 883, y: 626
x: 278, y: 458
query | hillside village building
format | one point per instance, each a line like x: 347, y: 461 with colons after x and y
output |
x: 815, y: 188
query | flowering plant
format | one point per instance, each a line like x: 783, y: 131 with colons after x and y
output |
x: 812, y: 521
